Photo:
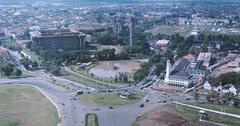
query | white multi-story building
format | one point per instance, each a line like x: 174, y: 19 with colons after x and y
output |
x: 176, y: 75
x: 183, y: 73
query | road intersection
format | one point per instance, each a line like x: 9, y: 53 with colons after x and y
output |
x: 73, y: 111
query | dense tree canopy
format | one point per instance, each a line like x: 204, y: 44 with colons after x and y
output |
x: 7, y: 69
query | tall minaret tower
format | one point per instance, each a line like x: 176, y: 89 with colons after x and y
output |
x: 131, y: 34
x: 168, y: 67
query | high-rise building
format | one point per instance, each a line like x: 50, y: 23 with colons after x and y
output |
x: 66, y: 39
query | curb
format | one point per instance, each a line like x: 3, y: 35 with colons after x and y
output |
x: 58, y: 110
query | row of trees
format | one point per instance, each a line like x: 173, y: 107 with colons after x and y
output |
x: 122, y: 77
x: 142, y: 72
x: 8, y: 70
x: 180, y: 45
x: 206, y: 37
x: 52, y: 59
x: 228, y: 78
x: 226, y: 99
x: 107, y: 37
x: 106, y: 54
x: 27, y: 62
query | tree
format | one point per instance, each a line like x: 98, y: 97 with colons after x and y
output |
x: 18, y: 72
x: 212, y: 96
x: 25, y: 62
x: 236, y: 102
x: 116, y: 78
x: 7, y: 69
x: 106, y: 54
x: 196, y: 96
x: 29, y: 45
x: 105, y: 38
x: 34, y: 64
x: 142, y: 72
x: 229, y: 78
x: 55, y: 71
x: 229, y: 96
x: 122, y: 55
x: 155, y: 58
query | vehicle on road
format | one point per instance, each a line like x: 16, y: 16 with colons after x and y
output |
x: 142, y: 105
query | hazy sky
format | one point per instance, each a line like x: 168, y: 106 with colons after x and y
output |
x: 33, y: 1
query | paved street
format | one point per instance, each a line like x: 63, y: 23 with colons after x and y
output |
x: 73, y: 112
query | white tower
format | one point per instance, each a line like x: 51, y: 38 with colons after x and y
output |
x: 168, y: 67
x: 131, y: 34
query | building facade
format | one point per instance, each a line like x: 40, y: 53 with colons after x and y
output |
x: 184, y: 73
x: 175, y: 75
x: 66, y: 39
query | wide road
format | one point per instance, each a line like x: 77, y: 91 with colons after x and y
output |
x: 73, y: 112
x: 70, y: 115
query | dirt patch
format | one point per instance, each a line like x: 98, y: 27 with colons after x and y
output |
x: 165, y: 116
x: 113, y: 68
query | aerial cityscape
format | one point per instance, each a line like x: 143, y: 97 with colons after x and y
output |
x: 119, y: 63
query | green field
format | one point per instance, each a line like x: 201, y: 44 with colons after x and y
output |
x: 227, y: 109
x: 193, y: 114
x: 107, y: 99
x: 34, y: 56
x: 84, y: 81
x: 170, y: 30
x: 25, y: 106
x: 91, y: 120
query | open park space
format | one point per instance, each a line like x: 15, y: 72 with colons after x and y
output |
x: 78, y: 78
x: 226, y: 108
x: 193, y: 114
x: 109, y: 69
x: 170, y: 30
x: 25, y: 106
x: 110, y: 99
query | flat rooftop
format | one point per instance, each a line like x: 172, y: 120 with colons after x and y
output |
x: 162, y: 42
x: 204, y: 56
x: 55, y: 32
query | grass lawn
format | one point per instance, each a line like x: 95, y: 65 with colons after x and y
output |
x: 107, y: 99
x: 84, y: 81
x: 86, y: 75
x: 227, y: 109
x: 169, y: 30
x: 194, y: 115
x: 24, y: 75
x: 91, y: 120
x: 34, y: 56
x: 25, y: 106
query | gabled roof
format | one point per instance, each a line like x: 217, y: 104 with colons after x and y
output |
x: 237, y: 86
x: 189, y: 57
x: 179, y: 69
